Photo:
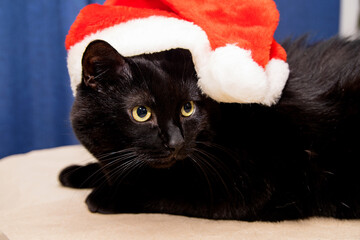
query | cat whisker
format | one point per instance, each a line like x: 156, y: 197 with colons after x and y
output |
x: 122, y: 173
x: 200, y: 167
x: 102, y: 168
x: 228, y: 154
x: 223, y: 149
x: 105, y: 178
x: 115, y: 159
x: 126, y: 171
x: 110, y: 159
x: 121, y: 170
x: 209, y: 161
x: 104, y: 156
x: 124, y: 168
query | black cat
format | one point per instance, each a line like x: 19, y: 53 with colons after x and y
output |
x: 165, y: 147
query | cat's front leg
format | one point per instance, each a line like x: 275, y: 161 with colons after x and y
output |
x: 87, y: 176
x: 161, y: 195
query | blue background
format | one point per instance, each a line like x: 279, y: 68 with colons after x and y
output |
x: 35, y: 95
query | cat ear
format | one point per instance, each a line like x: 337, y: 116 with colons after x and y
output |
x: 100, y: 58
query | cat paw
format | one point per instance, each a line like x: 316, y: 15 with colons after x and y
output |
x: 67, y: 176
x: 101, y: 203
x: 76, y: 176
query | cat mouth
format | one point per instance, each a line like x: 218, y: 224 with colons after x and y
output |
x: 164, y: 162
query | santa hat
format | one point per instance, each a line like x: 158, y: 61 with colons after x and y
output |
x: 232, y: 45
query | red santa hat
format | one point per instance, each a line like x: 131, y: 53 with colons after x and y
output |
x: 231, y: 42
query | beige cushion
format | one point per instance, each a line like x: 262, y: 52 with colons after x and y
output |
x: 33, y: 205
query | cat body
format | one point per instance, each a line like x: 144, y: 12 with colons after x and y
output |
x: 165, y: 147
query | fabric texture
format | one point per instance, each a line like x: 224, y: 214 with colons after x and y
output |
x: 33, y: 205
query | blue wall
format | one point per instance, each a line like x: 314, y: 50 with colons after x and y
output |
x: 318, y: 18
x: 35, y: 97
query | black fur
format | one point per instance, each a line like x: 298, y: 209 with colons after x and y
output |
x: 296, y: 159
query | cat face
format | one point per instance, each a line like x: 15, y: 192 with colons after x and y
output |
x: 146, y: 108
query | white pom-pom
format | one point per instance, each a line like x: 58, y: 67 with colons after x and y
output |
x: 231, y: 75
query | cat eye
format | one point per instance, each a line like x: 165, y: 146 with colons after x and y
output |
x: 188, y: 109
x: 141, y: 113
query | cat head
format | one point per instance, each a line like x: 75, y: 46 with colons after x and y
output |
x: 146, y: 108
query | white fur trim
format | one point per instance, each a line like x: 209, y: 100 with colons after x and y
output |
x: 231, y: 75
x: 147, y: 35
x: 228, y: 74
x: 277, y: 72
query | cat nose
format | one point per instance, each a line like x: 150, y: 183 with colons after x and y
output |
x: 176, y: 143
x: 176, y: 139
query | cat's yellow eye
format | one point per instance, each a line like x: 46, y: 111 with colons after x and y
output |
x: 141, y: 113
x: 188, y: 109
